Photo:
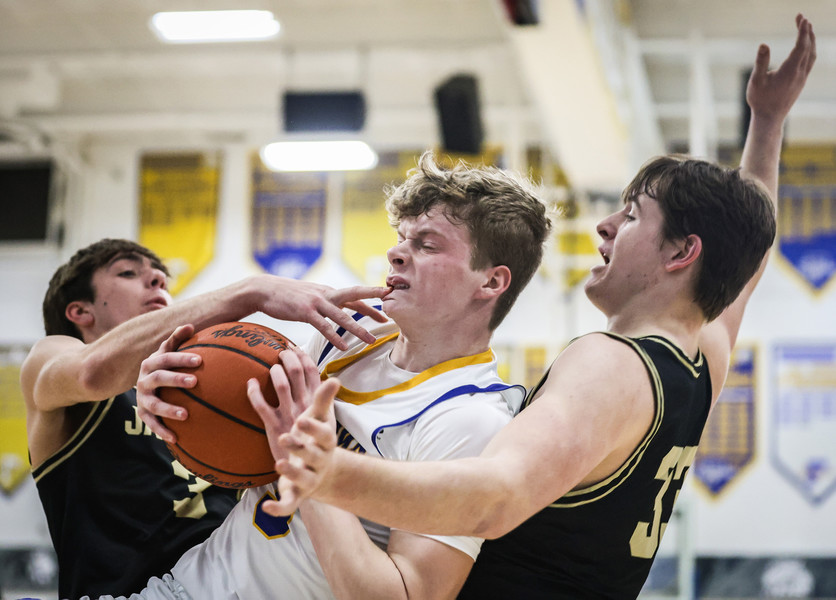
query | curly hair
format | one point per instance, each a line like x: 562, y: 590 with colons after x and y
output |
x: 503, y: 213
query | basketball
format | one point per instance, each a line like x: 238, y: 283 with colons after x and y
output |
x: 223, y: 440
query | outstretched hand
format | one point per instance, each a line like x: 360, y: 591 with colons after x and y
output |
x: 321, y: 306
x: 295, y: 380
x: 771, y: 94
x: 303, y: 455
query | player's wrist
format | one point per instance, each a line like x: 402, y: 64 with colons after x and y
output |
x: 250, y: 294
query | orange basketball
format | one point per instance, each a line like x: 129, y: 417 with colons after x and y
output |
x: 223, y: 440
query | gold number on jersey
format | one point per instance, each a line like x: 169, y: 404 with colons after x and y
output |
x: 645, y: 539
x: 192, y: 507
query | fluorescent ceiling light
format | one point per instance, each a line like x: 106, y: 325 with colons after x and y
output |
x: 318, y: 156
x: 214, y: 26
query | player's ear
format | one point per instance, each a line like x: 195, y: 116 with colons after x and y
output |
x: 78, y: 312
x: 497, y: 281
x: 685, y: 252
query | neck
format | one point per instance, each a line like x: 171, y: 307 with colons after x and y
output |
x: 418, y: 351
x: 682, y: 327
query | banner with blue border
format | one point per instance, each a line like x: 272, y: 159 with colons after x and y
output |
x: 807, y: 213
x: 288, y: 219
x: 728, y: 441
x: 803, y: 424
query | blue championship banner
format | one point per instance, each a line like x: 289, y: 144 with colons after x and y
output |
x: 14, y: 450
x: 803, y: 426
x: 179, y: 211
x: 728, y: 441
x: 807, y: 213
x: 288, y: 220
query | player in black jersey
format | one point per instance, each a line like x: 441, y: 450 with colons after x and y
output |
x: 582, y: 482
x: 118, y: 507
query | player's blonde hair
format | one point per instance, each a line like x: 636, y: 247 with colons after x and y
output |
x: 502, y: 211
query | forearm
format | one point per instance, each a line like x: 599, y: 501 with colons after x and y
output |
x: 110, y: 365
x: 458, y: 497
x: 762, y: 151
x: 354, y: 566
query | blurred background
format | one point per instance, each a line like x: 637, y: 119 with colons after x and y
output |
x: 110, y: 129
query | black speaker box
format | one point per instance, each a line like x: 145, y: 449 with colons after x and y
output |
x: 457, y: 104
x: 25, y: 199
x: 324, y: 111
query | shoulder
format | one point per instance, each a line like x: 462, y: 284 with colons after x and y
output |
x: 597, y: 360
x: 598, y: 379
x: 43, y: 352
x: 458, y: 427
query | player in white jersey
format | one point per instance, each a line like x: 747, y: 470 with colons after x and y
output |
x: 447, y: 411
x: 427, y: 389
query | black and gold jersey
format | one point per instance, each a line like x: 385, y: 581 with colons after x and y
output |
x: 600, y: 541
x: 119, y: 508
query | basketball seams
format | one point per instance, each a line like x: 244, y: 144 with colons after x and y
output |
x: 219, y: 469
x: 223, y: 443
x: 263, y: 363
x: 222, y: 413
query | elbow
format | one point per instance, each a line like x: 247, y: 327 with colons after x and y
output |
x: 496, y: 526
x: 500, y: 517
x: 93, y: 376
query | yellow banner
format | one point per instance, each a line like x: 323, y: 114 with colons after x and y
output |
x: 14, y: 451
x: 366, y: 234
x: 178, y: 211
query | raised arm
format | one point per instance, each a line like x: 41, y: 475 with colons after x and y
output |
x: 771, y: 95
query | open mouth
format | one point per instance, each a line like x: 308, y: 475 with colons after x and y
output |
x: 605, y: 256
x: 395, y: 283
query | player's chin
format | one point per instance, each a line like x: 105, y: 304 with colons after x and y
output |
x: 391, y: 306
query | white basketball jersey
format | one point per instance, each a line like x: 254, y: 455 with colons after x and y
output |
x: 448, y: 411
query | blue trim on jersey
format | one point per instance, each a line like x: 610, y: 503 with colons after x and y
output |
x: 459, y: 391
x: 340, y: 331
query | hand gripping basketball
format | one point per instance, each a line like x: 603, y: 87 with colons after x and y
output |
x: 223, y: 440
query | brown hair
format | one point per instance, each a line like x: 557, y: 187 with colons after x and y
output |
x: 73, y: 280
x: 506, y: 220
x: 733, y: 216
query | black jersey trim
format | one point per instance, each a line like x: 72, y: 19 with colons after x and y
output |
x: 91, y: 422
x: 694, y: 366
x: 606, y: 486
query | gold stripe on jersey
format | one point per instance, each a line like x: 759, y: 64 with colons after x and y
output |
x: 338, y: 365
x: 602, y: 488
x: 691, y: 365
x: 91, y: 422
x: 354, y: 397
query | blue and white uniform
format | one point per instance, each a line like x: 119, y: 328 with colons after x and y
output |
x: 448, y: 411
